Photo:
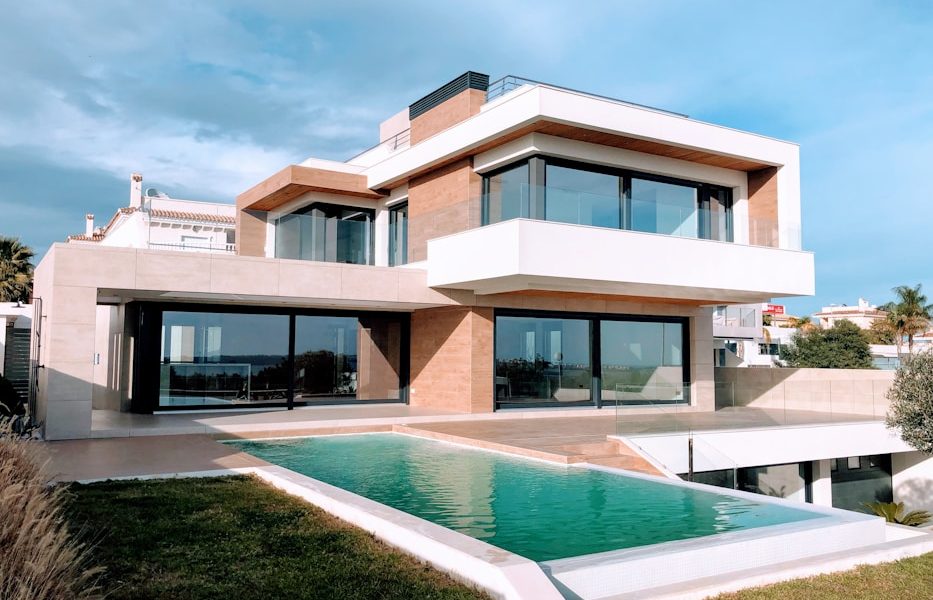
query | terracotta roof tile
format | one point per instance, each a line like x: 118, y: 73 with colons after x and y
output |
x: 191, y: 216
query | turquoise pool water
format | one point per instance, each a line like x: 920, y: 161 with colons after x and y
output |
x: 534, y: 509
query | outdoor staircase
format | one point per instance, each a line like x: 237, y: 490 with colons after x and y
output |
x: 611, y: 453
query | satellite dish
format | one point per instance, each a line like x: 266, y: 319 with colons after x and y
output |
x: 154, y: 193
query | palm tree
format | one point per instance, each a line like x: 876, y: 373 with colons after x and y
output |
x: 909, y: 315
x: 15, y: 270
x: 804, y: 324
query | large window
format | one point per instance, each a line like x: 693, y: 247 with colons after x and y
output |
x: 860, y: 479
x: 398, y: 235
x: 347, y: 358
x: 543, y: 361
x: 571, y: 192
x: 326, y: 232
x: 506, y: 194
x: 193, y: 357
x: 791, y: 480
x: 222, y: 359
x: 582, y: 197
x: 560, y: 360
x: 642, y: 362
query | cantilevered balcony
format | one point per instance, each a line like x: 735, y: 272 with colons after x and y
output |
x: 596, y: 244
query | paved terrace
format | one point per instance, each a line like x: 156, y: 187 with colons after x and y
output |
x: 140, y: 445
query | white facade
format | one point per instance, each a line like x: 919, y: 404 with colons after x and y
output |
x: 159, y: 222
x: 863, y: 314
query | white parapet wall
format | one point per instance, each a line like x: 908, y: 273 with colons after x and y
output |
x: 830, y: 391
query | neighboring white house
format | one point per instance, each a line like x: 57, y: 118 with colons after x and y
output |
x: 155, y: 221
x: 740, y: 338
x: 863, y: 315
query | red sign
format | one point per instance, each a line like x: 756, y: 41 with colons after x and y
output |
x: 774, y: 309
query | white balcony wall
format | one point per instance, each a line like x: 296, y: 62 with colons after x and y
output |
x: 524, y: 254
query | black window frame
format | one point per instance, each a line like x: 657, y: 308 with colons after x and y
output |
x: 537, y: 182
x: 595, y: 319
x: 394, y: 210
x: 326, y: 206
x: 146, y: 324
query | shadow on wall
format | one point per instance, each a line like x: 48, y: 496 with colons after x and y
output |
x: 840, y: 391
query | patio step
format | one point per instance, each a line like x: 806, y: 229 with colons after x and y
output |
x: 611, y: 453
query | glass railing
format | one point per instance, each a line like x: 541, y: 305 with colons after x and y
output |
x: 735, y: 316
x: 660, y: 407
x: 596, y: 210
x: 307, y: 237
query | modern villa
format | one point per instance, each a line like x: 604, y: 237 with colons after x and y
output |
x: 514, y: 245
x: 509, y: 253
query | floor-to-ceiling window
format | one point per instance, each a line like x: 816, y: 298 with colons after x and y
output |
x: 554, y: 359
x: 212, y: 356
x: 222, y: 359
x: 860, y: 479
x: 642, y: 362
x: 398, y: 235
x: 554, y: 189
x: 543, y: 361
x: 326, y: 232
x: 340, y: 359
x: 506, y: 194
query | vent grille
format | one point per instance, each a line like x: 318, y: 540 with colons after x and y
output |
x: 470, y: 80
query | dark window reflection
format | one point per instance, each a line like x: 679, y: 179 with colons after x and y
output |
x: 642, y: 362
x: 506, y: 195
x: 543, y: 361
x: 223, y: 358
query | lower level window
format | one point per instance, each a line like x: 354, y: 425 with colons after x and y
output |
x: 565, y: 361
x: 240, y: 358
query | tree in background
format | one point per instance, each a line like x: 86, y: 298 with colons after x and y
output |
x: 15, y: 270
x: 911, y: 397
x: 843, y: 346
x: 804, y: 324
x: 882, y: 332
x: 908, y: 316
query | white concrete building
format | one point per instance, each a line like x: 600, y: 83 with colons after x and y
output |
x: 154, y: 220
x: 863, y: 314
x: 510, y: 247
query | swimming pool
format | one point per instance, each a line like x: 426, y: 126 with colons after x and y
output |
x: 534, y: 509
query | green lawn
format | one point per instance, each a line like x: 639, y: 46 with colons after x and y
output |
x: 237, y: 538
x: 907, y: 579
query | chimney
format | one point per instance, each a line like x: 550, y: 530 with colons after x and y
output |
x: 89, y: 225
x: 136, y: 190
x: 456, y: 101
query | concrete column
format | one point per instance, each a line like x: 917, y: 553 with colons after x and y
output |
x: 912, y: 480
x: 822, y: 486
x: 701, y: 359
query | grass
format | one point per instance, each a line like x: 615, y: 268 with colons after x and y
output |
x: 235, y: 537
x: 905, y: 579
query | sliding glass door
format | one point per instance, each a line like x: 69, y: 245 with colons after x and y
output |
x: 554, y: 359
x: 543, y: 361
x: 219, y: 356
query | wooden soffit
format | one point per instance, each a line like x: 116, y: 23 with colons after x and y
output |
x: 594, y: 137
x: 295, y: 180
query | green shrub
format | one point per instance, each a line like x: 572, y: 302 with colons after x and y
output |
x: 911, y: 397
x: 842, y: 346
x: 893, y: 512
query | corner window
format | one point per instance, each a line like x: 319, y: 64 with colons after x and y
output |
x: 398, y: 235
x: 328, y: 233
x: 552, y: 189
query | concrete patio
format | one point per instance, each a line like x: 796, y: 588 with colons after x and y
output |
x: 132, y: 445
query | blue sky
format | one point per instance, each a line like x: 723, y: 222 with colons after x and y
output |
x: 207, y: 98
